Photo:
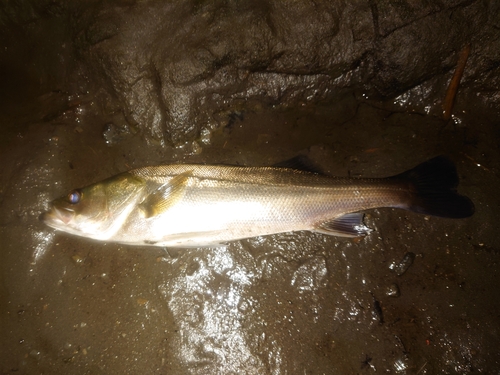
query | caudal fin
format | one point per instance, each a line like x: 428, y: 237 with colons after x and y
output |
x: 434, y: 187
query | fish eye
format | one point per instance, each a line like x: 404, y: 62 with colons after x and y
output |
x: 74, y: 197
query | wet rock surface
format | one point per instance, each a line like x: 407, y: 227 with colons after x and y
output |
x: 107, y: 86
x: 187, y: 59
x: 178, y: 69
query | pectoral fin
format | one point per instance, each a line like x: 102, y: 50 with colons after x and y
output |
x: 165, y: 196
x: 348, y: 225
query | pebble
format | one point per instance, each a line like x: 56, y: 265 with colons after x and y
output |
x: 392, y: 290
x: 405, y: 263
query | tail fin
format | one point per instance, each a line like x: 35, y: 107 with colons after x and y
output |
x: 434, y: 187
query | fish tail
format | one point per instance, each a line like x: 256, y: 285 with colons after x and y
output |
x: 433, y: 185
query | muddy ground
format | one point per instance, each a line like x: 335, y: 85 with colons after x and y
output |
x: 289, y: 303
x: 419, y: 295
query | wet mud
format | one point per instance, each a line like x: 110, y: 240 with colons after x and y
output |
x: 419, y: 295
x: 416, y: 296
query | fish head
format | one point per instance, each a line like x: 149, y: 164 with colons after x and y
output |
x: 96, y: 211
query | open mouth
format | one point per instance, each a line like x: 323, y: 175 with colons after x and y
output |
x: 57, y: 217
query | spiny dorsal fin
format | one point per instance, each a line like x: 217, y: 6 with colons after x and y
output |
x: 166, y: 195
x: 348, y: 225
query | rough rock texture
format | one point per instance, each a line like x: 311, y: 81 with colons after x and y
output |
x: 176, y: 68
x: 168, y: 64
x: 171, y: 64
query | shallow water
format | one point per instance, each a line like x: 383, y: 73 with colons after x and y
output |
x: 417, y: 296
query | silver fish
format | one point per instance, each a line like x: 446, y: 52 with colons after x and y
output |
x: 204, y: 205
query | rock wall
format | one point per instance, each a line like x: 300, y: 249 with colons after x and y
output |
x: 175, y: 69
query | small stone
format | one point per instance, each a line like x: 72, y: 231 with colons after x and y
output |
x: 392, y: 290
x: 77, y: 258
x: 35, y: 354
x: 112, y: 134
x: 405, y: 263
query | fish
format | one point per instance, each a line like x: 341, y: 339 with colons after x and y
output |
x: 195, y: 205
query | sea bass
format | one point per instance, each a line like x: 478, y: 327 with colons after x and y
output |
x: 189, y: 205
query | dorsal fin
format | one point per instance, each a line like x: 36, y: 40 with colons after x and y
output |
x: 301, y: 163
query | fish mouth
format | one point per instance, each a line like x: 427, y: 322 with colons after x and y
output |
x: 57, y: 217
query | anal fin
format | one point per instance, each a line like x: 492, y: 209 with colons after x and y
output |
x: 348, y: 225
